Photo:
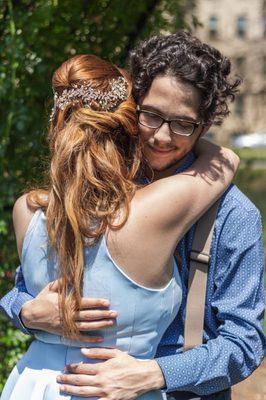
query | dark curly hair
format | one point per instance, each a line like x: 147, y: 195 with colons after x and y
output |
x: 185, y: 57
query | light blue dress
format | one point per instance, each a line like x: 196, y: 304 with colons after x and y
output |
x: 143, y: 316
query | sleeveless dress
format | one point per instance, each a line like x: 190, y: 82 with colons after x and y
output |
x: 143, y: 316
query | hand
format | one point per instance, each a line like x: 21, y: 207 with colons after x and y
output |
x: 121, y: 377
x: 42, y: 313
x: 212, y: 150
x: 220, y: 162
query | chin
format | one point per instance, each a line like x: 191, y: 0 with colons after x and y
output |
x: 161, y: 166
x: 162, y: 162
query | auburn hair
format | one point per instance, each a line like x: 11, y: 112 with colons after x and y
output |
x: 95, y: 158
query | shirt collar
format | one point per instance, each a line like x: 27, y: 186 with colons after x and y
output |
x: 187, y: 162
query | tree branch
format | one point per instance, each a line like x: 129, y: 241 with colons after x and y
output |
x: 141, y: 23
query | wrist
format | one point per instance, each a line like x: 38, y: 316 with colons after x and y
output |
x: 26, y: 314
x: 153, y: 376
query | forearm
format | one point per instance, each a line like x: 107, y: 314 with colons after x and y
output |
x: 214, y: 162
x: 210, y: 368
x: 193, y: 191
x: 236, y: 313
x: 214, y: 169
x: 12, y: 303
x: 150, y: 377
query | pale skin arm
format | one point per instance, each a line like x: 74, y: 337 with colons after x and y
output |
x: 184, y: 197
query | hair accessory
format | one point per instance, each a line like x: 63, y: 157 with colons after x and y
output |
x: 83, y: 92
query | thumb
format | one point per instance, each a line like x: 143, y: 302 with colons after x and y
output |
x: 54, y: 285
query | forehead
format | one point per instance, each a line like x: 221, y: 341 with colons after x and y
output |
x: 172, y: 97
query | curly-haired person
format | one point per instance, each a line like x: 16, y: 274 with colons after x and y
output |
x: 181, y: 86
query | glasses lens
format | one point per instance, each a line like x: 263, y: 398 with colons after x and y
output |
x: 150, y: 120
x: 182, y: 127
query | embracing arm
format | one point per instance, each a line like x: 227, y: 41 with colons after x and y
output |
x: 12, y: 303
x: 14, y: 300
x: 186, y: 196
x: 167, y: 208
x: 238, y: 302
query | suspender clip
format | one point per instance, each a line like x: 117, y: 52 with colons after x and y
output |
x: 199, y: 257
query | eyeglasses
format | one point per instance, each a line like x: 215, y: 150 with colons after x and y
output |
x: 178, y: 126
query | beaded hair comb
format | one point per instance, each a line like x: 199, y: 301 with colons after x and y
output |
x: 83, y: 92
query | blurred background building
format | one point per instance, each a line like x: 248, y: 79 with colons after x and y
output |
x: 238, y: 29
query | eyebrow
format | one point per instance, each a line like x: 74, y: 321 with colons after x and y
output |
x: 157, y: 111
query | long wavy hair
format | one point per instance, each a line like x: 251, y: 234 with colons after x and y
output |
x: 95, y: 158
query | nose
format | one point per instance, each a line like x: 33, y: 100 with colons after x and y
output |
x: 163, y: 134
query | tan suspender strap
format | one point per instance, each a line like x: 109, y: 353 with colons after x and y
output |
x: 198, y: 274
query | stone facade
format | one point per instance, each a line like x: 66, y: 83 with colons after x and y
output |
x: 238, y: 29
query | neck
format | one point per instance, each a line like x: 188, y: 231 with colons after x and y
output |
x: 168, y: 171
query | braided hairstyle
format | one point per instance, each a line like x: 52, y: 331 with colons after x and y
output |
x: 185, y: 57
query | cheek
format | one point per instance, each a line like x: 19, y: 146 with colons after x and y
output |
x: 184, y: 145
x: 145, y: 133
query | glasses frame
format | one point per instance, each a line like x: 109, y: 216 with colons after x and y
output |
x: 195, y: 124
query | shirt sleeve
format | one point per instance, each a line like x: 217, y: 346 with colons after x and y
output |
x: 13, y: 301
x: 238, y: 303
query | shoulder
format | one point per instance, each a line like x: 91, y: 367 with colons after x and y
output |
x: 22, y: 210
x: 22, y: 215
x: 235, y: 205
x: 238, y: 222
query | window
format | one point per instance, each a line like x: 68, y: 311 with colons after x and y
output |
x: 241, y: 26
x: 239, y: 105
x: 212, y: 26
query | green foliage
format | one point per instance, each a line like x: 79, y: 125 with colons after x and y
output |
x: 13, y: 344
x: 253, y: 183
x: 250, y: 155
x: 36, y: 37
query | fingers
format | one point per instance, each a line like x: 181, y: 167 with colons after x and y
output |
x: 93, y: 303
x: 92, y: 315
x: 76, y: 379
x: 94, y: 326
x: 101, y: 353
x: 82, y: 368
x: 81, y: 391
